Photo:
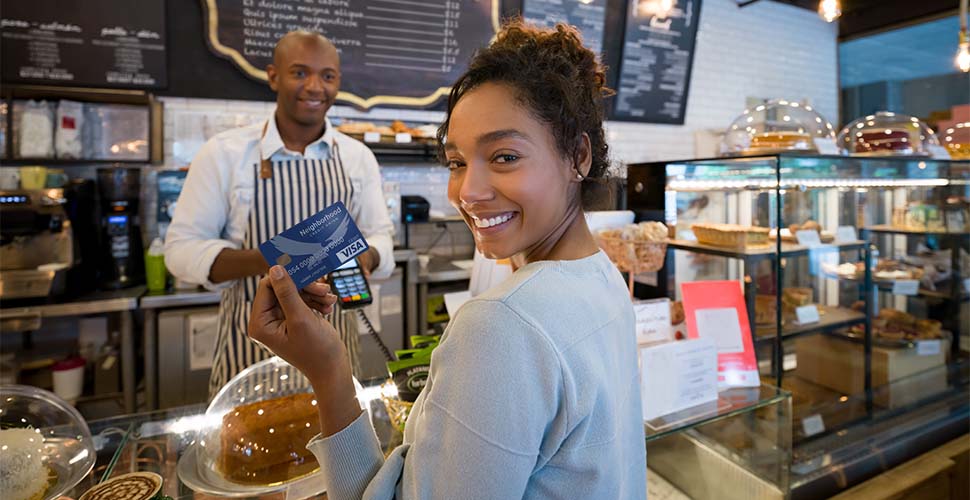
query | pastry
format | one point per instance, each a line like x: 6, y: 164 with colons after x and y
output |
x: 891, y: 324
x: 677, y: 315
x: 356, y: 127
x: 133, y: 486
x: 730, y: 235
x: 265, y: 442
x: 23, y: 475
x: 399, y: 127
x: 775, y: 141
x: 795, y: 297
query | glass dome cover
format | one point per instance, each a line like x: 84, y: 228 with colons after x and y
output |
x: 775, y: 126
x: 887, y: 134
x: 956, y: 140
x: 254, y: 433
x: 46, y: 445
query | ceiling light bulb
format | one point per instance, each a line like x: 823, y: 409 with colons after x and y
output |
x: 963, y: 57
x: 830, y: 10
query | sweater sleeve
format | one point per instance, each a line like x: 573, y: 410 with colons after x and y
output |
x: 494, y: 389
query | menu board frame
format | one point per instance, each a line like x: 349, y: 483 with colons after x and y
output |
x: 612, y: 114
x: 211, y: 25
x: 91, y: 50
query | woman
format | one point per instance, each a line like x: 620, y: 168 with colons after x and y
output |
x: 533, y: 391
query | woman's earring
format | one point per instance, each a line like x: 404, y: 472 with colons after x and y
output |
x: 579, y: 176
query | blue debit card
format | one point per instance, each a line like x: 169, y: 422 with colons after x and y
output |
x: 321, y: 243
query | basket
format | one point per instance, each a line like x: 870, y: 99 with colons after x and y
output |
x: 632, y: 256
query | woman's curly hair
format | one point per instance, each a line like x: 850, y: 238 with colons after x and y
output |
x: 560, y: 81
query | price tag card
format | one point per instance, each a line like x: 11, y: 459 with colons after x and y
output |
x: 653, y: 321
x: 806, y: 315
x: 826, y: 146
x: 813, y: 425
x: 808, y: 237
x: 372, y: 137
x: 677, y: 375
x: 906, y: 287
x: 402, y: 138
x: 846, y: 234
x: 937, y: 152
x: 928, y: 347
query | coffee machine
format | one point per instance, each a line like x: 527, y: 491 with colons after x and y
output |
x: 36, y: 244
x: 124, y: 263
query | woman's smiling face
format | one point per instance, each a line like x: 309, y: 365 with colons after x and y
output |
x: 508, y: 180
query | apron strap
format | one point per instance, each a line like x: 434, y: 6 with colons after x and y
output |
x: 265, y: 165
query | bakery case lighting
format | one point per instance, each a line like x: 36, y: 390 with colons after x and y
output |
x: 758, y: 185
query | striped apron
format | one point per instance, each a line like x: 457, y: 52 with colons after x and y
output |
x: 293, y: 191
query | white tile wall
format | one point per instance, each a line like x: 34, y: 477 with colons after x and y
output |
x: 765, y: 50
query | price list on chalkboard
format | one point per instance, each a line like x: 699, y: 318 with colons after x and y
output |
x: 587, y: 15
x: 399, y: 52
x: 101, y: 43
x: 658, y: 50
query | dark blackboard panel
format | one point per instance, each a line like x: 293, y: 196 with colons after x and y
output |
x: 194, y: 71
x: 401, y: 53
x: 91, y: 43
x: 655, y: 65
x: 589, y: 16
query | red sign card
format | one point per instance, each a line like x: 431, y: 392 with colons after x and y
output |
x: 716, y: 310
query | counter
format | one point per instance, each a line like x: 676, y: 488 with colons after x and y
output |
x: 120, y: 302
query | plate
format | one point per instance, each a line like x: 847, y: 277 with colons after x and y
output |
x: 202, y: 480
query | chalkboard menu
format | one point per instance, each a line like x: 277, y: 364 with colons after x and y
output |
x: 587, y: 15
x: 393, y: 52
x: 97, y: 43
x: 658, y: 51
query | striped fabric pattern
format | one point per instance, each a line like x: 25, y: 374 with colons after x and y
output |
x: 297, y: 190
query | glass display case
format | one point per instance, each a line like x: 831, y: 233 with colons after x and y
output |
x: 855, y: 277
x: 744, y: 439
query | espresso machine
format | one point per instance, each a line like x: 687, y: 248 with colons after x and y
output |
x: 123, y: 259
x: 36, y: 244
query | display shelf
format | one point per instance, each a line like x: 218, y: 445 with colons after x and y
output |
x: 20, y: 162
x: 834, y: 318
x: 889, y: 229
x: 730, y: 402
x: 787, y: 249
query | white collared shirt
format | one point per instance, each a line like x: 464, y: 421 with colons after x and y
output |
x: 212, y: 212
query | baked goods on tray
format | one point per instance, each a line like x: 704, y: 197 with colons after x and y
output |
x: 265, y: 442
x: 885, y: 270
x: 731, y: 235
x: 23, y: 474
x: 635, y: 247
x: 891, y: 324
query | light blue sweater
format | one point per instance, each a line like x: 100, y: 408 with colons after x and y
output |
x: 533, y: 393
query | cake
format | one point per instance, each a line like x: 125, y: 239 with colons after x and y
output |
x: 133, y: 486
x: 265, y: 442
x: 730, y: 235
x: 883, y: 141
x: 23, y: 474
x: 780, y: 141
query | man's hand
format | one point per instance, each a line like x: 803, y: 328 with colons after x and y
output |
x: 369, y: 261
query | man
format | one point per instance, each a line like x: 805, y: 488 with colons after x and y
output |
x: 249, y: 184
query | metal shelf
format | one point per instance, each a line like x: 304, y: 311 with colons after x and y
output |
x: 834, y: 318
x: 787, y: 249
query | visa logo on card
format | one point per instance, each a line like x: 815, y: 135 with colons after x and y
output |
x: 316, y: 246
